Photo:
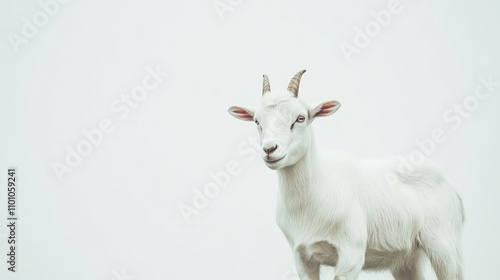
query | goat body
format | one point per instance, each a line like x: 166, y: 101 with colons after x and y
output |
x: 334, y: 205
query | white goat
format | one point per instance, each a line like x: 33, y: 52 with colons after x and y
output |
x: 344, y: 213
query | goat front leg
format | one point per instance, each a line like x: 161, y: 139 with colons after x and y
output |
x: 351, y: 259
x: 307, y: 267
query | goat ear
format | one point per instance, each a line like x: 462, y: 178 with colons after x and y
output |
x: 241, y: 113
x: 324, y: 109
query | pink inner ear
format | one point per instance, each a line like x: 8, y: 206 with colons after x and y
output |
x: 242, y: 114
x: 323, y: 112
x: 326, y: 108
x: 328, y: 105
x: 239, y: 111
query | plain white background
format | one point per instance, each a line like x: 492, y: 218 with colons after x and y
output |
x: 116, y: 215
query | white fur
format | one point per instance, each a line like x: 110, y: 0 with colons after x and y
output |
x: 338, y: 211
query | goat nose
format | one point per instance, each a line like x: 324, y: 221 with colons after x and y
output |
x: 270, y: 150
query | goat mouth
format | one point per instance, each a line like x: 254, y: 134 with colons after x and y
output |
x: 268, y: 160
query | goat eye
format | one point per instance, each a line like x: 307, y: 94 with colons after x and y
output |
x: 257, y: 122
x: 301, y: 119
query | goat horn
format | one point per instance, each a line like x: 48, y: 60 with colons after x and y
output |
x: 293, y: 86
x: 265, y: 85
